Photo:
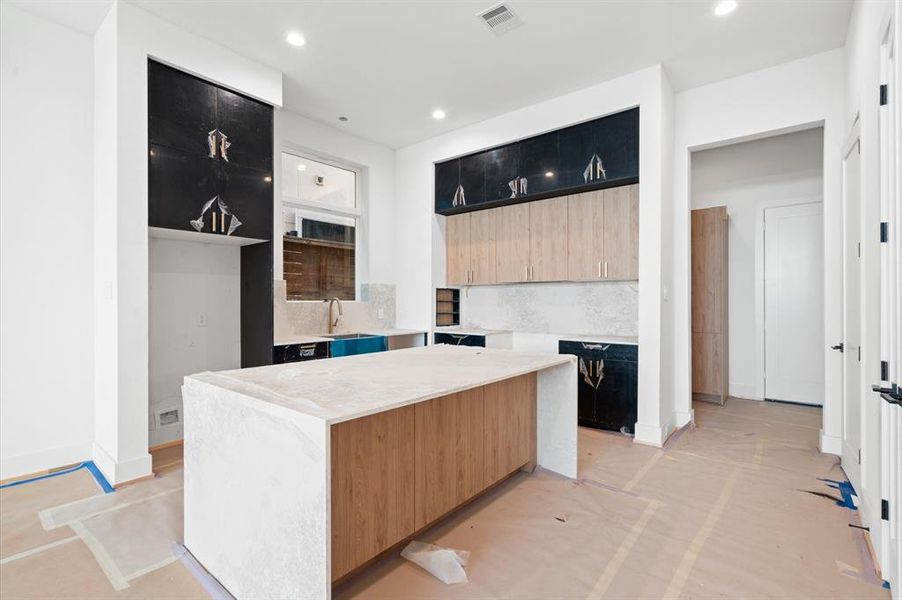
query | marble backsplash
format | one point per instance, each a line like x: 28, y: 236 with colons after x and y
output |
x: 600, y: 308
x: 374, y: 310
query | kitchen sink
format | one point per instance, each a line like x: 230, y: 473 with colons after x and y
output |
x: 349, y: 336
x: 346, y: 344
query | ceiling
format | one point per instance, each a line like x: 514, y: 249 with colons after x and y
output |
x: 387, y: 64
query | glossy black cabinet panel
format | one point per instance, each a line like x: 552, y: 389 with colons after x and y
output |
x: 210, y: 152
x: 181, y: 109
x: 608, y: 384
x: 459, y: 339
x: 447, y: 179
x: 502, y: 173
x: 593, y: 155
x: 540, y: 163
x: 472, y: 178
x: 247, y: 127
x: 299, y: 352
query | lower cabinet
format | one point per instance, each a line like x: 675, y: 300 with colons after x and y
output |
x: 459, y: 339
x: 288, y: 353
x: 396, y: 472
x: 608, y: 384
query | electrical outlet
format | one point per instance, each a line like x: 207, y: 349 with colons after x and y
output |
x: 380, y: 314
x: 202, y: 320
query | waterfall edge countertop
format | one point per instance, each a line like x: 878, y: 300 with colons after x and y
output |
x: 351, y: 387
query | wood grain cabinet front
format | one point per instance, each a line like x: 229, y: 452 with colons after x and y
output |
x: 397, y: 472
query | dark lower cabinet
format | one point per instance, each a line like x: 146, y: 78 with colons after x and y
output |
x: 289, y: 353
x: 608, y: 384
x: 459, y: 339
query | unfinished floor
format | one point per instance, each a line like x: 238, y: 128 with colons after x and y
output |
x: 723, y: 511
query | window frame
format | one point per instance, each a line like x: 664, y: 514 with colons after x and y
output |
x: 357, y: 213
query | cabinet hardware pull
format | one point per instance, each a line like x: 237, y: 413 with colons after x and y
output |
x: 214, y: 221
x: 599, y: 268
x: 605, y: 269
x: 526, y: 273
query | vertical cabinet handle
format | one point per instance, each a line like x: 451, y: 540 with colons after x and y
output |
x: 605, y: 269
x: 525, y: 272
x: 599, y: 268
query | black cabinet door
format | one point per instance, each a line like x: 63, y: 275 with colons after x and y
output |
x: 447, y: 178
x: 459, y: 339
x: 472, y: 178
x: 181, y: 109
x: 540, y: 163
x: 617, y: 145
x: 247, y: 194
x: 502, y: 173
x: 179, y: 185
x: 299, y: 352
x: 607, y: 385
x: 245, y: 125
x: 577, y: 149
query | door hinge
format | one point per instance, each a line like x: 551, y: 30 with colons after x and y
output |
x: 884, y: 232
x: 884, y: 94
x: 859, y: 456
x: 859, y: 249
x: 859, y: 353
x: 884, y: 510
x: 884, y: 370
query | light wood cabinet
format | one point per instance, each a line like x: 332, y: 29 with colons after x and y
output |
x: 710, y: 360
x: 449, y: 453
x: 621, y: 233
x: 457, y: 245
x: 372, y: 474
x: 548, y: 240
x: 585, y: 235
x: 482, y: 246
x: 510, y: 426
x: 512, y: 243
x: 396, y: 472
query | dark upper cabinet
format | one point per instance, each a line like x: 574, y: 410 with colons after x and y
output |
x: 592, y: 155
x: 246, y: 125
x: 447, y: 179
x: 540, y: 163
x: 472, y: 178
x: 210, y: 152
x: 502, y: 173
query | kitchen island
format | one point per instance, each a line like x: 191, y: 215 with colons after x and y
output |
x: 297, y: 475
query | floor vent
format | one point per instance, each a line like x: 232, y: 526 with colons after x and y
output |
x: 500, y: 19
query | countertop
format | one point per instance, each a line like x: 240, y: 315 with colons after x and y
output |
x: 350, y: 387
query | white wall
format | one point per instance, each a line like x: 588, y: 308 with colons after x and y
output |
x: 420, y: 241
x: 46, y: 390
x: 792, y: 96
x: 195, y: 320
x: 122, y: 45
x: 746, y: 177
x: 376, y: 186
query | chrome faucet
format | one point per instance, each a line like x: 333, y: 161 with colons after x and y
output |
x: 334, y: 324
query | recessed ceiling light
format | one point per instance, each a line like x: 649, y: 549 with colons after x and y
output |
x: 302, y: 167
x: 549, y: 173
x: 295, y: 39
x: 725, y: 7
x: 438, y: 114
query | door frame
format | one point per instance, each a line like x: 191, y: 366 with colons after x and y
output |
x: 852, y: 144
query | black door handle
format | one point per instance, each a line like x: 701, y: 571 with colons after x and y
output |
x: 840, y: 346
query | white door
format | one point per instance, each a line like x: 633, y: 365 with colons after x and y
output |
x: 794, y: 303
x: 851, y: 429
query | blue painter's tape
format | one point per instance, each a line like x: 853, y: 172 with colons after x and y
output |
x: 89, y: 465
x: 845, y: 490
x: 886, y: 584
x: 98, y: 476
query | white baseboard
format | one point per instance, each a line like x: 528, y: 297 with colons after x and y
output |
x: 53, y: 458
x: 651, y: 435
x: 683, y: 418
x: 122, y: 471
x: 830, y: 444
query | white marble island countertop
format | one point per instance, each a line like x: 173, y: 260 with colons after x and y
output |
x: 350, y: 387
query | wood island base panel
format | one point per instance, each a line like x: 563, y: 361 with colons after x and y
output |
x: 297, y: 475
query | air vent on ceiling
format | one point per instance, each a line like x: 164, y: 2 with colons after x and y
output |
x: 500, y: 19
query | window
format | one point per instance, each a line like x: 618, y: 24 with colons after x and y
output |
x: 320, y: 218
